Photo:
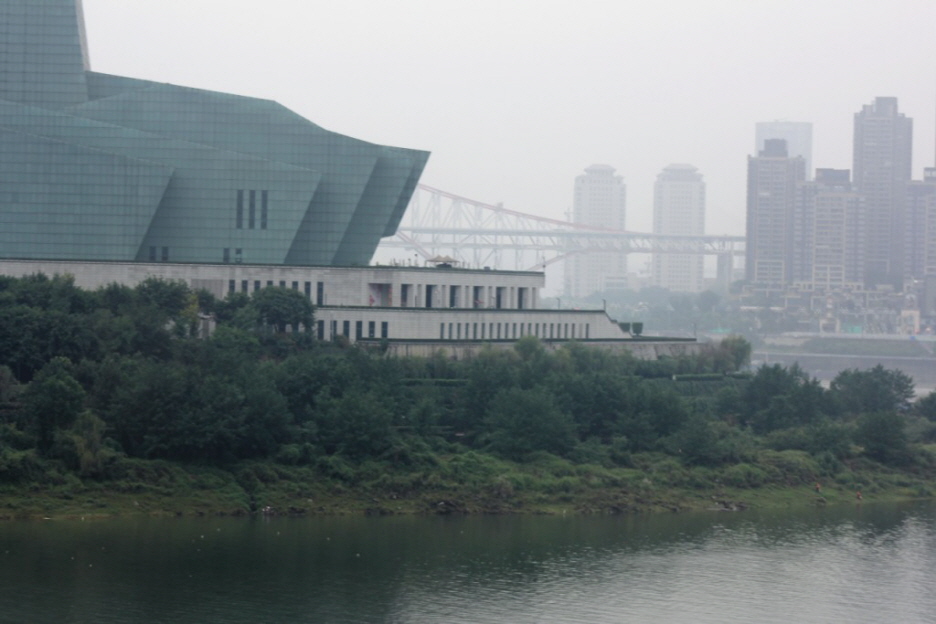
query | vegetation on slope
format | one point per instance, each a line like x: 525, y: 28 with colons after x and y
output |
x: 110, y: 401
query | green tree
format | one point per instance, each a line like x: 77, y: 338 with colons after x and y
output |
x: 520, y: 421
x: 926, y: 407
x: 883, y: 436
x: 874, y: 390
x: 283, y: 307
x: 52, y: 401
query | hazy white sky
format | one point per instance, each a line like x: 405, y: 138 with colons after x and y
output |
x: 514, y: 98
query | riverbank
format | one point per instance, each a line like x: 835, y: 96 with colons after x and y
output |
x: 466, y: 483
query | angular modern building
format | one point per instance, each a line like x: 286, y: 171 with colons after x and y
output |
x: 95, y: 167
x: 117, y: 180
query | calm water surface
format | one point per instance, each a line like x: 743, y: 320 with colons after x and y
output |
x: 873, y: 563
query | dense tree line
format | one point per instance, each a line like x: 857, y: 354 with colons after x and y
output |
x: 87, y: 378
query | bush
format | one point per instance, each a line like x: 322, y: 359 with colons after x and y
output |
x: 745, y: 476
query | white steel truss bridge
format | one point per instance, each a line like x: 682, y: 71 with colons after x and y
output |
x: 474, y: 234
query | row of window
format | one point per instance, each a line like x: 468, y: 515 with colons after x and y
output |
x: 498, y: 331
x: 358, y: 329
x: 251, y: 206
x: 245, y: 287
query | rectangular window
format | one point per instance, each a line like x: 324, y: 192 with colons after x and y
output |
x: 321, y: 330
x: 227, y: 254
x: 256, y: 285
x: 346, y: 327
x: 244, y: 285
x: 252, y: 215
x: 238, y: 255
x: 232, y: 286
x: 269, y: 282
x: 371, y: 329
x: 358, y: 330
x: 264, y: 203
x: 295, y: 285
x: 282, y: 283
x: 153, y: 254
x: 384, y: 329
x: 458, y: 330
x: 165, y: 254
x: 474, y: 331
x: 334, y: 329
x: 450, y: 331
x: 240, y: 210
x: 308, y: 289
x: 514, y: 330
x: 320, y: 293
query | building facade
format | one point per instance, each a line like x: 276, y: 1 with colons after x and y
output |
x: 831, y: 219
x: 102, y: 167
x: 773, y: 177
x: 678, y: 210
x: 599, y: 201
x: 883, y: 144
x: 797, y: 134
x: 117, y: 180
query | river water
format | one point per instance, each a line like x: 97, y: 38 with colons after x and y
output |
x: 867, y: 563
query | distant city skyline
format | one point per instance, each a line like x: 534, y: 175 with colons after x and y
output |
x: 513, y: 99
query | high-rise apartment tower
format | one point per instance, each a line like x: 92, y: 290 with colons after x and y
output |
x: 773, y: 177
x: 797, y: 134
x: 882, y: 166
x: 599, y: 201
x: 679, y: 209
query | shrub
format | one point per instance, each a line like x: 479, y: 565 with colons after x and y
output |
x: 745, y: 476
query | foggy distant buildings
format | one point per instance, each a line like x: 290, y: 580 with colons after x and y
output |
x: 862, y: 229
x: 882, y: 155
x: 797, y: 134
x: 773, y: 177
x: 678, y: 209
x: 599, y: 201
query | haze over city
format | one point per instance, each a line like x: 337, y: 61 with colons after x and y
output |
x: 514, y: 99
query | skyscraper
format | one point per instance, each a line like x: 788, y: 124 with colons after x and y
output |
x: 829, y: 231
x: 797, y: 134
x: 599, y: 201
x: 679, y: 209
x: 882, y: 167
x: 771, y: 203
x: 919, y: 229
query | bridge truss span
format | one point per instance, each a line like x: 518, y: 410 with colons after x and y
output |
x: 478, y: 234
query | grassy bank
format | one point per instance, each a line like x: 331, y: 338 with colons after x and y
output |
x: 464, y: 483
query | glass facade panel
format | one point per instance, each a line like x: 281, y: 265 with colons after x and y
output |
x: 103, y: 167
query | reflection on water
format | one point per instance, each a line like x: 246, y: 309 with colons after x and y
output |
x: 852, y: 564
